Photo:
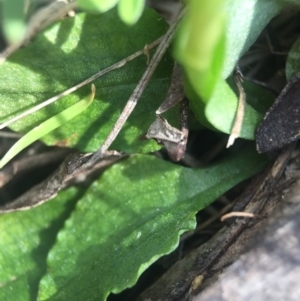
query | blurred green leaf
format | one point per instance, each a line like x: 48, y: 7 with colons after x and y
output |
x: 197, y: 44
x: 13, y: 20
x: 129, y: 218
x: 72, y: 51
x: 131, y: 10
x: 26, y: 238
x: 228, y: 29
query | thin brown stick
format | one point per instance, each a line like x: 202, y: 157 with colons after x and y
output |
x: 136, y: 94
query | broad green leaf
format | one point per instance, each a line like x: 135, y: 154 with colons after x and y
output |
x: 97, y: 5
x: 129, y: 218
x: 72, y: 51
x: 131, y: 10
x: 293, y: 61
x: 26, y: 238
x: 47, y: 126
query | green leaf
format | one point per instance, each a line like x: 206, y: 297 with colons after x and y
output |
x: 258, y: 102
x: 199, y: 44
x: 131, y: 10
x: 129, y: 218
x: 72, y: 51
x: 257, y: 96
x: 210, y: 54
x: 47, y: 126
x: 13, y: 20
x: 221, y: 114
x: 26, y: 238
x: 97, y: 5
x: 245, y: 21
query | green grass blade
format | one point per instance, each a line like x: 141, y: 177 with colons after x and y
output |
x: 48, y: 126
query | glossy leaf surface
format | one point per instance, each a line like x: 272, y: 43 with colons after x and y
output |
x: 72, y: 51
x: 130, y: 217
